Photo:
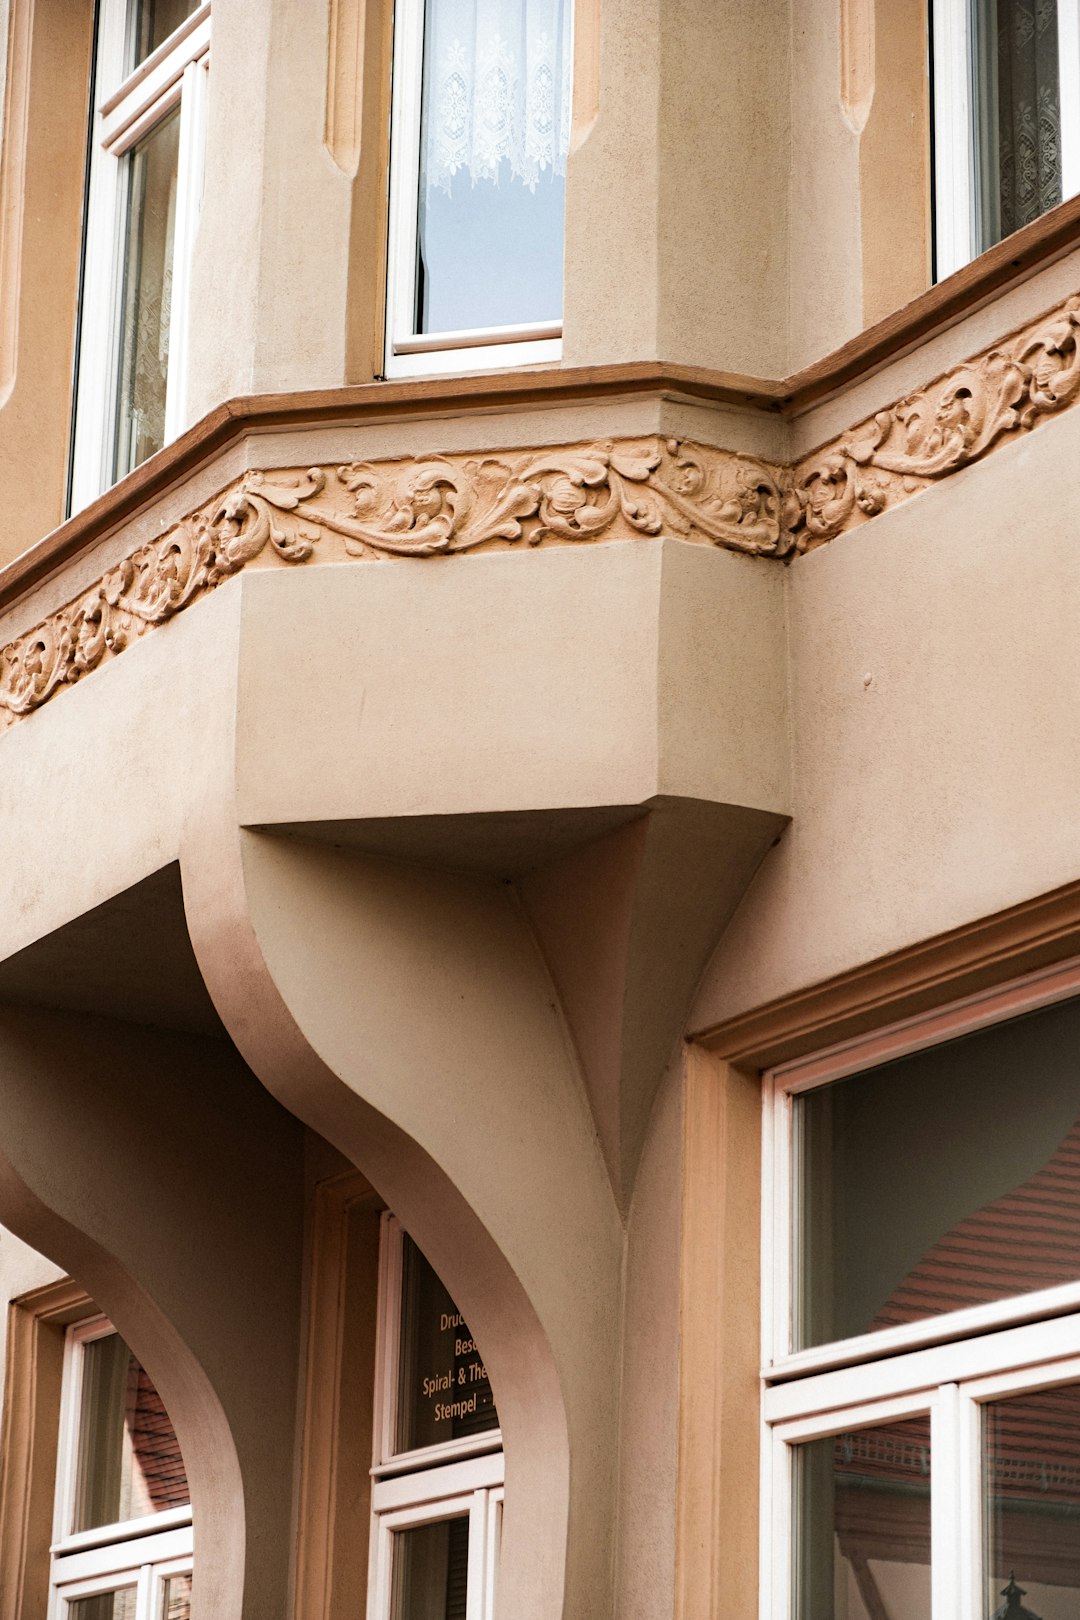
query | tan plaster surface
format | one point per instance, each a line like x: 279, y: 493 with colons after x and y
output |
x: 936, y: 694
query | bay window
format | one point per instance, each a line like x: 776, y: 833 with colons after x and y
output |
x: 1006, y: 119
x: 921, y: 1388
x: 122, y: 1542
x: 144, y: 189
x: 479, y: 140
x: 438, y: 1465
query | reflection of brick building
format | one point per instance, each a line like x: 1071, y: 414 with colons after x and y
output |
x: 1028, y: 1238
x: 156, y: 1448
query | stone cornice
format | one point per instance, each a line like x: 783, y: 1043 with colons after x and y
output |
x: 426, y: 507
x: 419, y: 508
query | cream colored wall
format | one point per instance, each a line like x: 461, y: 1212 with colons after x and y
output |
x: 936, y: 694
x: 392, y: 1002
x: 42, y: 146
x: 158, y: 1172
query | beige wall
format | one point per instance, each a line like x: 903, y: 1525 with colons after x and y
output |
x: 158, y: 1172
x: 935, y: 688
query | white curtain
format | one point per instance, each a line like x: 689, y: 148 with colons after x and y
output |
x: 496, y: 90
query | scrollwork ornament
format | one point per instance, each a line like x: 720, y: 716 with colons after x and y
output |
x: 445, y: 505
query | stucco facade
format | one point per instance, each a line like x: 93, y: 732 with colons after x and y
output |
x: 474, y: 783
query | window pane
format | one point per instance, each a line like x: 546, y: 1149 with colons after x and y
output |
x: 105, y: 1606
x: 494, y: 137
x: 152, y: 21
x: 1032, y: 1475
x: 862, y: 1524
x: 431, y: 1569
x: 444, y: 1392
x: 147, y: 296
x: 128, y: 1458
x: 176, y: 1598
x: 946, y: 1179
x: 1018, y: 114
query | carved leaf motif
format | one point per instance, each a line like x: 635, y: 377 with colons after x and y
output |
x: 262, y: 512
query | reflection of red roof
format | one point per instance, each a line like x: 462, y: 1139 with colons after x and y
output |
x: 1028, y: 1238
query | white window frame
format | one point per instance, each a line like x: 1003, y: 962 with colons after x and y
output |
x: 127, y: 108
x: 955, y: 223
x: 948, y: 1366
x: 454, y: 1479
x: 141, y: 1553
x: 407, y: 353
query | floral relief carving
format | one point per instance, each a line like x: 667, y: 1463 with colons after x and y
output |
x: 439, y: 506
x: 936, y: 431
x: 436, y: 506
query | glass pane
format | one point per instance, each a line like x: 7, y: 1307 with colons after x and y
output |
x: 128, y: 1458
x: 431, y: 1571
x: 494, y: 138
x: 1018, y: 114
x: 176, y: 1598
x: 862, y: 1524
x: 946, y: 1179
x: 105, y: 1606
x: 147, y: 296
x: 1032, y: 1475
x: 443, y: 1386
x: 152, y: 21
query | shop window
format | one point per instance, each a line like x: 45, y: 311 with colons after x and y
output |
x: 1006, y: 119
x: 922, y: 1338
x: 122, y: 1545
x: 479, y: 140
x: 438, y: 1467
x: 144, y: 190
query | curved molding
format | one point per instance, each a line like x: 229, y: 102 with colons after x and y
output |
x: 439, y: 506
x: 1002, y: 393
x: 436, y: 506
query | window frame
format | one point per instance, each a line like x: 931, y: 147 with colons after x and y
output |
x: 450, y: 1480
x: 956, y: 241
x: 406, y: 353
x: 85, y: 1563
x: 949, y: 1366
x: 128, y: 107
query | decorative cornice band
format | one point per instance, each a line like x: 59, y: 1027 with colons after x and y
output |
x: 977, y: 406
x: 442, y: 506
x: 420, y: 508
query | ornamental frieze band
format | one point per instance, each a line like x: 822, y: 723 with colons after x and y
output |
x: 440, y: 506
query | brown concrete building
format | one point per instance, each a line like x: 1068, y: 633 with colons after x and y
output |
x: 539, y: 809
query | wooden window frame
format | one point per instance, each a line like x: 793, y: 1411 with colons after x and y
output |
x: 454, y: 1479
x: 128, y: 107
x: 956, y: 225
x: 409, y: 354
x: 947, y: 1367
x: 36, y: 1333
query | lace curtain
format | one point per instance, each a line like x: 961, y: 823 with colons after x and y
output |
x: 496, y: 90
x: 1029, y: 111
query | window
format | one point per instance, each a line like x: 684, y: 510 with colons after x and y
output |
x: 921, y: 1395
x: 438, y: 1467
x: 1006, y: 119
x: 122, y: 1547
x: 480, y: 134
x: 145, y: 185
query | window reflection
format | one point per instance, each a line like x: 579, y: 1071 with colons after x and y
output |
x: 862, y: 1517
x: 431, y: 1571
x: 146, y: 311
x: 128, y: 1458
x: 1031, y: 1471
x: 946, y: 1179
